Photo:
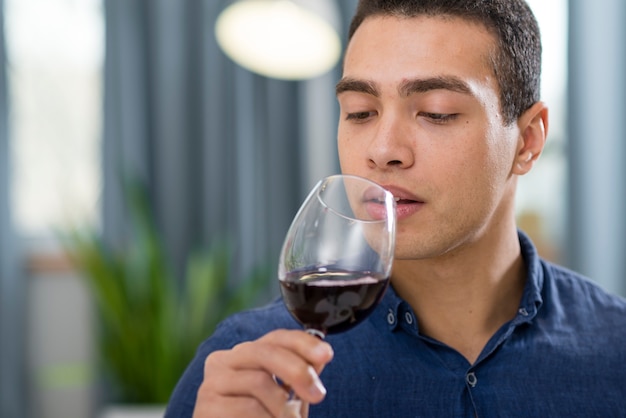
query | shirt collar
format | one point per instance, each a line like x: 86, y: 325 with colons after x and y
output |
x: 392, y: 307
x: 531, y: 298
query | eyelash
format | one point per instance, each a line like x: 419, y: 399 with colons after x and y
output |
x: 439, y: 118
x: 436, y: 118
x: 359, y: 116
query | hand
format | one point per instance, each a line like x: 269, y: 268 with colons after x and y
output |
x: 240, y: 382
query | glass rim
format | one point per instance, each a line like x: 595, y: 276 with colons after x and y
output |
x: 389, y: 200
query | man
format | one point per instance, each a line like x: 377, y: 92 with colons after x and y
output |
x: 439, y: 103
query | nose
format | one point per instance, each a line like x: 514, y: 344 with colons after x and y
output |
x: 392, y: 145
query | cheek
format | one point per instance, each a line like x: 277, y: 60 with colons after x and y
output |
x: 501, y: 156
x: 491, y: 157
x: 343, y: 152
x: 472, y: 177
x: 349, y: 155
x: 486, y: 178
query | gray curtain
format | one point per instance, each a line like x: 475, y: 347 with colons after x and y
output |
x: 220, y: 149
x: 597, y: 141
x: 12, y: 383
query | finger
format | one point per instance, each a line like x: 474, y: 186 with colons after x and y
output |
x: 288, y: 365
x: 315, y: 351
x: 311, y: 348
x: 292, y: 409
x: 247, y: 370
x: 230, y: 407
x: 259, y: 363
x: 257, y: 384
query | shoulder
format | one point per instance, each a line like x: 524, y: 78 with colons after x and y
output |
x: 579, y: 296
x: 249, y: 325
x: 577, y: 285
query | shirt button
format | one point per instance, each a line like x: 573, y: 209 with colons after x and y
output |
x: 471, y: 379
x: 391, y: 319
x: 408, y: 318
x: 523, y: 311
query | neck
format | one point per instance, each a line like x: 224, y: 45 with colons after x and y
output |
x: 463, y: 297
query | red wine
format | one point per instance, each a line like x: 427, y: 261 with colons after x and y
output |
x: 332, y: 301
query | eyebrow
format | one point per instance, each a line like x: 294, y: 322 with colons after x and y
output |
x: 407, y: 87
x: 359, y: 86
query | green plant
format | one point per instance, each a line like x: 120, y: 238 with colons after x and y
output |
x: 150, y: 323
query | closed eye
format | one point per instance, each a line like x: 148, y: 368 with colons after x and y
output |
x: 439, y: 118
x: 360, y: 116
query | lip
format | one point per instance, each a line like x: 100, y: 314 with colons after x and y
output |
x: 407, y: 203
x: 373, y: 194
x: 374, y: 204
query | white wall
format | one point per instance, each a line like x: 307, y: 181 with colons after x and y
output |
x: 60, y: 355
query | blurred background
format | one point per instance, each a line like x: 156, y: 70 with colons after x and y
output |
x: 172, y: 161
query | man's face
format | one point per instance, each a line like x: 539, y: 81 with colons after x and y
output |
x: 420, y: 114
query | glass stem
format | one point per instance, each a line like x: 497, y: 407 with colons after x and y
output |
x: 293, y: 405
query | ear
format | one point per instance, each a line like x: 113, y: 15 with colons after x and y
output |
x: 533, y: 129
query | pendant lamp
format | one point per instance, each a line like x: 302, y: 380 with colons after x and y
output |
x: 283, y: 39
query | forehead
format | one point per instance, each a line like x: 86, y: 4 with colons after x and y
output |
x: 409, y: 46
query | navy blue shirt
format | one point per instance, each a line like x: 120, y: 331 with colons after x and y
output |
x: 563, y: 355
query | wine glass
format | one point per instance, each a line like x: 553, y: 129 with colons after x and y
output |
x: 336, y: 259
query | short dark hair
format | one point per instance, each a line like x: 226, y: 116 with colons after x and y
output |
x: 517, y: 60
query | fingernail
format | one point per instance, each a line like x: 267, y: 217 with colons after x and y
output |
x: 317, y: 389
